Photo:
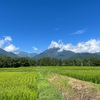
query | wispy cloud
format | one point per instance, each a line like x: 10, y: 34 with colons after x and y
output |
x: 5, y: 40
x: 79, y: 32
x: 91, y: 46
x: 35, y: 49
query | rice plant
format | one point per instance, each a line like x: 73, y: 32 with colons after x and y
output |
x: 18, y: 86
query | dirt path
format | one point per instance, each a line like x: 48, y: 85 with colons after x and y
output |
x: 74, y: 89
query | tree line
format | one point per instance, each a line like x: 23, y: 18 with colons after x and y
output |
x: 46, y: 61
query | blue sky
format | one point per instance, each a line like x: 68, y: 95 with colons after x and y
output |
x: 35, y: 25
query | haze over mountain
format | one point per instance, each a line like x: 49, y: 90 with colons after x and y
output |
x: 26, y: 54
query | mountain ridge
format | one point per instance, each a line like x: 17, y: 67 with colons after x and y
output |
x: 5, y: 53
x: 52, y: 53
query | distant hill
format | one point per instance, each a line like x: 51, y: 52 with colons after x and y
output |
x: 54, y: 53
x: 26, y: 54
x: 5, y: 53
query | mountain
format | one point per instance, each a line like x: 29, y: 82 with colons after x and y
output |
x: 54, y: 53
x: 5, y: 53
x: 85, y: 55
x: 98, y: 53
x: 31, y: 55
x: 26, y: 54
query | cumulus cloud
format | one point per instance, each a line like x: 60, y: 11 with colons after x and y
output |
x: 35, y: 49
x: 90, y: 46
x: 78, y: 32
x: 6, y: 45
x: 11, y: 48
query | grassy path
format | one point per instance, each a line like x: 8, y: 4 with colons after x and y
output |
x: 46, y: 91
x: 74, y: 89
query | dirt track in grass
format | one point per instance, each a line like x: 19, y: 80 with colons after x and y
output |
x: 74, y: 89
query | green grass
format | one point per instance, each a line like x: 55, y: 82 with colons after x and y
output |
x: 46, y: 91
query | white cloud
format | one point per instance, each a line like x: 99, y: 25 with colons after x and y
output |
x: 90, y: 46
x: 1, y: 43
x: 35, y: 49
x: 79, y: 32
x: 11, y: 48
x: 6, y: 45
x: 5, y: 40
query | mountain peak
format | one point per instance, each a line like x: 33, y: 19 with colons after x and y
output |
x: 54, y: 53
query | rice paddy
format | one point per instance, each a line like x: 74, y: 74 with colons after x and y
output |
x: 30, y: 83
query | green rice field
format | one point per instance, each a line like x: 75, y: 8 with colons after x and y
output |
x: 30, y: 83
